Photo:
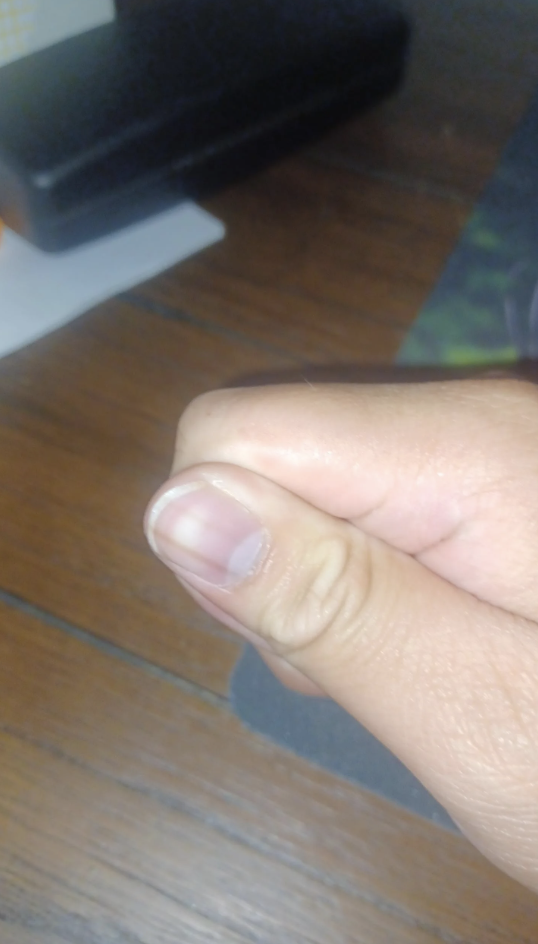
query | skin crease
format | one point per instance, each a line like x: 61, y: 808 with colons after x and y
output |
x: 415, y: 526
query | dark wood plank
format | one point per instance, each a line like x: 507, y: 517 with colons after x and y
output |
x: 472, y: 71
x: 129, y: 807
x: 87, y: 425
x: 315, y: 259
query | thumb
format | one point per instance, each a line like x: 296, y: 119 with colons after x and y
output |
x: 446, y: 681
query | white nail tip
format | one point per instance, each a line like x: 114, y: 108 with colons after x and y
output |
x: 178, y: 491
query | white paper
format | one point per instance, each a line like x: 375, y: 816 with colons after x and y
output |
x: 40, y: 292
x: 29, y: 25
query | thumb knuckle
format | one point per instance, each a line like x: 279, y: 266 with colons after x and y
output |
x: 323, y: 592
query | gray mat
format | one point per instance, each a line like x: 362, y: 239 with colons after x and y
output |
x: 321, y: 732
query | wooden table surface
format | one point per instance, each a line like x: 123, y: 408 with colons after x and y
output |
x: 134, y: 807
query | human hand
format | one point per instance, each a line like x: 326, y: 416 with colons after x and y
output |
x: 380, y: 544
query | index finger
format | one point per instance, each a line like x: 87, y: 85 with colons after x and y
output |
x: 442, y: 471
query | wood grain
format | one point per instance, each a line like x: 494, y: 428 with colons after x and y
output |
x: 472, y: 70
x: 134, y: 808
x: 119, y: 786
x: 88, y: 423
x: 316, y: 259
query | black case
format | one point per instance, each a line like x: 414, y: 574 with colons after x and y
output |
x: 177, y: 100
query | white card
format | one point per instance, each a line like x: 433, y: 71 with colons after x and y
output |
x: 40, y: 292
x: 29, y: 25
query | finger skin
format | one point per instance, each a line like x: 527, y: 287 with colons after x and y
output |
x: 445, y: 472
x: 446, y: 681
x: 286, y: 673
